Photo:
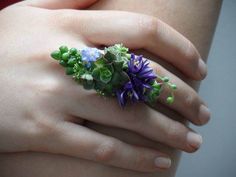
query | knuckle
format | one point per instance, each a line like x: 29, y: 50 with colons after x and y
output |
x: 191, y: 54
x: 140, y: 161
x: 48, y: 85
x: 190, y: 100
x: 41, y: 126
x: 147, y: 25
x: 173, y: 131
x: 106, y: 151
x: 157, y: 69
x: 65, y: 18
x: 136, y: 119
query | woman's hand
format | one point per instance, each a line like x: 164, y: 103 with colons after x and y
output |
x: 43, y: 110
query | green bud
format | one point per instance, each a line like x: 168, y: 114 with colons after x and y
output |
x: 72, y: 61
x: 173, y: 86
x: 56, y: 55
x: 170, y: 100
x: 69, y: 70
x: 65, y: 56
x: 73, y: 51
x: 87, y: 77
x: 156, y: 85
x: 166, y: 79
x: 63, y: 63
x: 88, y: 84
x: 63, y: 49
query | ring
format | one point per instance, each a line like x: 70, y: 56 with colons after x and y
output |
x: 114, y: 72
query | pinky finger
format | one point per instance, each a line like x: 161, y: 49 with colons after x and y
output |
x: 78, y: 141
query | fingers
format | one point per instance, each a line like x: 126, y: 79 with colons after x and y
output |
x: 140, y: 31
x: 139, y: 118
x: 59, y: 4
x: 187, y: 101
x: 78, y: 141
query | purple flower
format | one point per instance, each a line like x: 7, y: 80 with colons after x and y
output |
x: 90, y: 55
x: 141, y: 76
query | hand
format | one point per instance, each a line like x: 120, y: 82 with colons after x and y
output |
x: 41, y: 108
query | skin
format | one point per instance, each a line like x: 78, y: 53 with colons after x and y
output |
x: 46, y: 161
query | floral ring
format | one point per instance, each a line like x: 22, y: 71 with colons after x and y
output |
x: 114, y: 72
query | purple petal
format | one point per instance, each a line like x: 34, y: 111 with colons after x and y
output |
x: 128, y: 86
x: 146, y: 70
x: 121, y: 98
x: 135, y: 95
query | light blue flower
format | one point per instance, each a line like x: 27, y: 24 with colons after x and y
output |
x: 90, y: 54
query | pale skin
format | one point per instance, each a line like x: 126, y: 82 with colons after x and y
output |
x: 42, y: 128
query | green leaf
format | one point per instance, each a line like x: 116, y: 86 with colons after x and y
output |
x: 119, y: 79
x: 110, y: 56
x: 108, y: 90
x: 100, y: 63
x: 96, y: 73
x: 99, y: 85
x: 116, y: 78
x: 110, y: 67
x: 124, y: 77
x: 118, y: 65
x: 105, y: 75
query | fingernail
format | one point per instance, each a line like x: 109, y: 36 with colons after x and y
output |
x: 204, y: 114
x: 202, y: 68
x: 163, y: 162
x: 194, y: 140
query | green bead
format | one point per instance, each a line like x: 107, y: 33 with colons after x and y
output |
x: 65, y: 56
x: 63, y: 49
x: 73, y: 51
x: 62, y: 63
x: 56, y: 55
x: 69, y: 70
x: 170, y: 100
x: 173, y: 86
x: 71, y: 61
x: 166, y: 79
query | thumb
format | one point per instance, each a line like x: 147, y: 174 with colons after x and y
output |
x: 59, y: 4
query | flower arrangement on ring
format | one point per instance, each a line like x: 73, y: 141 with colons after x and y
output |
x: 114, y: 72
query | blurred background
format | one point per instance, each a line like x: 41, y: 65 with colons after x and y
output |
x: 217, y: 157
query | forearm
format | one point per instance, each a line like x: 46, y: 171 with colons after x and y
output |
x: 196, y: 20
